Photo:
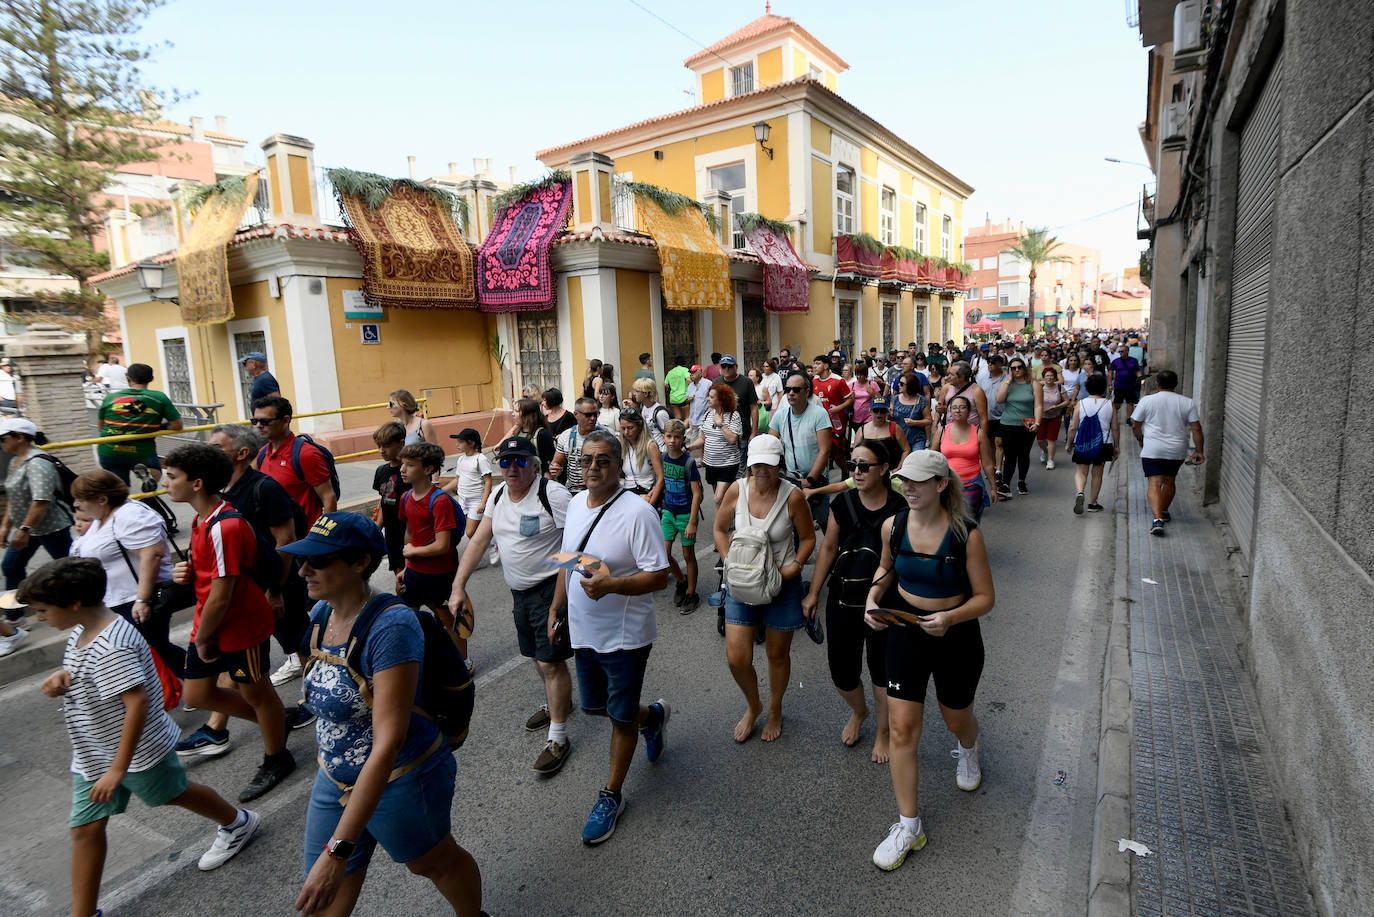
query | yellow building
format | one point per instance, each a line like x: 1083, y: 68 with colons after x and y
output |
x: 822, y: 165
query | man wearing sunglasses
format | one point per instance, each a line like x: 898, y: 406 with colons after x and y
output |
x: 567, y: 456
x: 805, y: 431
x: 312, y: 488
x: 526, y: 514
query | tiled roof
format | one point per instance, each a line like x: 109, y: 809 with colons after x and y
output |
x: 265, y: 231
x: 1126, y: 294
x: 766, y: 24
x: 184, y: 130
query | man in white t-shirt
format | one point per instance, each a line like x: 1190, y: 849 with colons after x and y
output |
x: 525, y: 514
x: 1161, y: 423
x: 568, y: 446
x: 114, y: 377
x: 611, y: 616
x: 697, y: 403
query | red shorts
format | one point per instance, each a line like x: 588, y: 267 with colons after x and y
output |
x: 1049, y: 428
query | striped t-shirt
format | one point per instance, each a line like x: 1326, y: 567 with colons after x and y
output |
x: 115, y: 661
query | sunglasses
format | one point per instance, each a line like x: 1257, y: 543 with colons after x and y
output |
x: 600, y: 460
x: 591, y: 414
x: 519, y: 461
x: 791, y: 389
x: 319, y: 561
x: 864, y: 467
x: 263, y: 421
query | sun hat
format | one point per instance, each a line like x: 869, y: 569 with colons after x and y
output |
x: 924, y: 464
x: 765, y: 450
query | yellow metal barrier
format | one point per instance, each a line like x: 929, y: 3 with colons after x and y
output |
x: 135, y: 437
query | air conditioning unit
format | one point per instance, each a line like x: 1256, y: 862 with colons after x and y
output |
x: 1173, y: 133
x: 1189, y: 50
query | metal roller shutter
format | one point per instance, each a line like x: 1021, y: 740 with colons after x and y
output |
x: 1246, y: 357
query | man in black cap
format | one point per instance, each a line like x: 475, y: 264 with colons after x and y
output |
x: 837, y: 352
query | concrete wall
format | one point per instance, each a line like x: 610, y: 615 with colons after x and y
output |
x: 1309, y: 567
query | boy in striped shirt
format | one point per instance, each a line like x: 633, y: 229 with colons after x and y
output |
x: 122, y: 740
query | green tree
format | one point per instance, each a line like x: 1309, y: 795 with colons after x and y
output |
x: 1036, y: 247
x: 71, y: 84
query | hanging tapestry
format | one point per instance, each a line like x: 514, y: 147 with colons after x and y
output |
x: 695, y: 271
x: 202, y: 262
x: 786, y: 283
x: 414, y: 256
x: 513, y: 270
x: 860, y: 255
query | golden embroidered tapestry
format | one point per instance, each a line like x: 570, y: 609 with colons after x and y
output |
x: 203, y: 263
x: 695, y: 271
x: 413, y: 255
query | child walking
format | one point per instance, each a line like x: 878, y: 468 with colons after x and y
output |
x: 122, y: 740
x: 681, y: 507
x: 434, y: 524
x: 390, y: 438
x: 472, y: 483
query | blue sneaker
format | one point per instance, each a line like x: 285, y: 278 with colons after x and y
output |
x: 601, y: 823
x: 656, y: 737
x: 204, y: 743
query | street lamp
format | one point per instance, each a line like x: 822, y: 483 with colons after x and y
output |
x: 1128, y: 162
x: 761, y: 130
x: 150, y: 279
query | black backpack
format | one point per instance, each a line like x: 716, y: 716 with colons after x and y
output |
x: 861, y: 551
x: 65, y: 477
x: 446, y: 688
x: 268, y: 568
x: 296, y: 445
x: 957, y: 558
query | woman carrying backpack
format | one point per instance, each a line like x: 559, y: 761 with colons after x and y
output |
x: 763, y: 571
x: 1091, y: 448
x: 849, y: 565
x: 944, y: 584
x: 386, y: 774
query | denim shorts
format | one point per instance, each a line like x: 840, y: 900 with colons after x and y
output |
x: 783, y: 613
x: 411, y: 818
x: 610, y: 683
x: 157, y: 786
x: 531, y: 609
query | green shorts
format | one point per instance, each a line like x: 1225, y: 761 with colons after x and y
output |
x: 156, y: 786
x: 675, y: 524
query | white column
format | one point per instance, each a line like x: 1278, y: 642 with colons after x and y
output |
x: 601, y: 321
x: 738, y: 352
x: 656, y: 326
x: 774, y: 335
x: 566, y: 381
x: 305, y: 303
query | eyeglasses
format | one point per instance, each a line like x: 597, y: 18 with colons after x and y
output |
x: 263, y: 421
x: 863, y: 467
x: 319, y: 561
x: 600, y: 460
x: 792, y: 389
x: 519, y: 461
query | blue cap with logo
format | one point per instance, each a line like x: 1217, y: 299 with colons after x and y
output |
x: 253, y: 355
x: 338, y: 532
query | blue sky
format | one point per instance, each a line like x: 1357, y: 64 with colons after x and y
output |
x: 1022, y: 100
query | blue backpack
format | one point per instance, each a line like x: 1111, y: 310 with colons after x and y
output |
x: 1088, y: 441
x: 296, y: 445
x: 459, y: 517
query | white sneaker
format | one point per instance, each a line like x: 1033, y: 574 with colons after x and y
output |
x: 11, y: 643
x: 229, y: 841
x: 968, y: 775
x: 287, y: 671
x: 1049, y: 466
x: 900, y: 841
x: 1043, y: 457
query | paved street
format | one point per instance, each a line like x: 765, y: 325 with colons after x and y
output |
x: 714, y: 828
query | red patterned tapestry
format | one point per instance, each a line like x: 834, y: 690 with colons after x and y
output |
x: 513, y: 270
x: 852, y: 257
x: 786, y: 282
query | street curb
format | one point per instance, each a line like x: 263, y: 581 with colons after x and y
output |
x: 1109, y: 877
x: 43, y: 650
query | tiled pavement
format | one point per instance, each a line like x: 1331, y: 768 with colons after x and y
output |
x: 1205, y: 801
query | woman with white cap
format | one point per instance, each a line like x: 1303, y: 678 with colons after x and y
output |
x: 944, y: 584
x: 36, y: 515
x: 763, y: 500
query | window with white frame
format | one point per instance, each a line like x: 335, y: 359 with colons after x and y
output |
x: 814, y: 73
x: 844, y: 199
x: 989, y: 292
x: 919, y: 240
x: 742, y: 79
x: 731, y: 179
x: 946, y: 237
x: 990, y: 263
x: 971, y: 294
x: 887, y: 217
x: 246, y: 342
x: 176, y: 366
x: 889, y: 326
x: 920, y: 329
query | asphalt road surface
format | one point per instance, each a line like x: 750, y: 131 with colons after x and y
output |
x: 714, y: 827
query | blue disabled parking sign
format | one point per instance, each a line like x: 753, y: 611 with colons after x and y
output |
x: 372, y: 333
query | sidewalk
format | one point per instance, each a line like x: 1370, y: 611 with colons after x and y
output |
x: 1204, y: 796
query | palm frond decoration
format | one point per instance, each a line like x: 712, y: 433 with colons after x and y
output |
x: 902, y: 253
x: 233, y: 188
x: 500, y: 202
x: 748, y: 222
x: 372, y: 189
x: 672, y: 202
x: 866, y: 242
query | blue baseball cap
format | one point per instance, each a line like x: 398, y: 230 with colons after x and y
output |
x: 338, y: 532
x: 254, y: 355
x: 728, y: 360
x: 878, y: 404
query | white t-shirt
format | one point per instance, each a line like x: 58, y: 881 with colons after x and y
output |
x: 699, y: 405
x: 628, y: 539
x: 471, y: 469
x: 115, y: 661
x: 1165, y: 417
x: 114, y: 376
x: 526, y: 532
x: 771, y: 386
x: 135, y: 526
x: 8, y: 391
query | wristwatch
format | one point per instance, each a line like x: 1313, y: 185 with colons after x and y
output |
x: 340, y: 849
x: 26, y: 529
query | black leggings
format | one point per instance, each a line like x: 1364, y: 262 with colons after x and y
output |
x: 155, y: 633
x: 1016, y: 451
x: 290, y: 629
x: 847, y: 638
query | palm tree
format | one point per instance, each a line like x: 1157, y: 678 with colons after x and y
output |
x: 1036, y: 247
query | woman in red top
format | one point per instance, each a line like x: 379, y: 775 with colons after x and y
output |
x: 969, y: 454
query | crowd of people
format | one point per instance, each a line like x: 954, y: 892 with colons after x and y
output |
x: 860, y: 483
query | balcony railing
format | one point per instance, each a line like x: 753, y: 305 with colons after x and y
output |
x: 260, y: 210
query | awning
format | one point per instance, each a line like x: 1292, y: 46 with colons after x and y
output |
x: 513, y: 269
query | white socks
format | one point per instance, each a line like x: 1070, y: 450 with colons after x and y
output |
x: 558, y: 732
x: 911, y: 824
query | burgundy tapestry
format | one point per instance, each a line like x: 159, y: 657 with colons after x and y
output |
x: 786, y: 283
x: 513, y: 270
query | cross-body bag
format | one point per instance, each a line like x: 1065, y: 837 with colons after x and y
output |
x: 168, y: 598
x: 561, y: 636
